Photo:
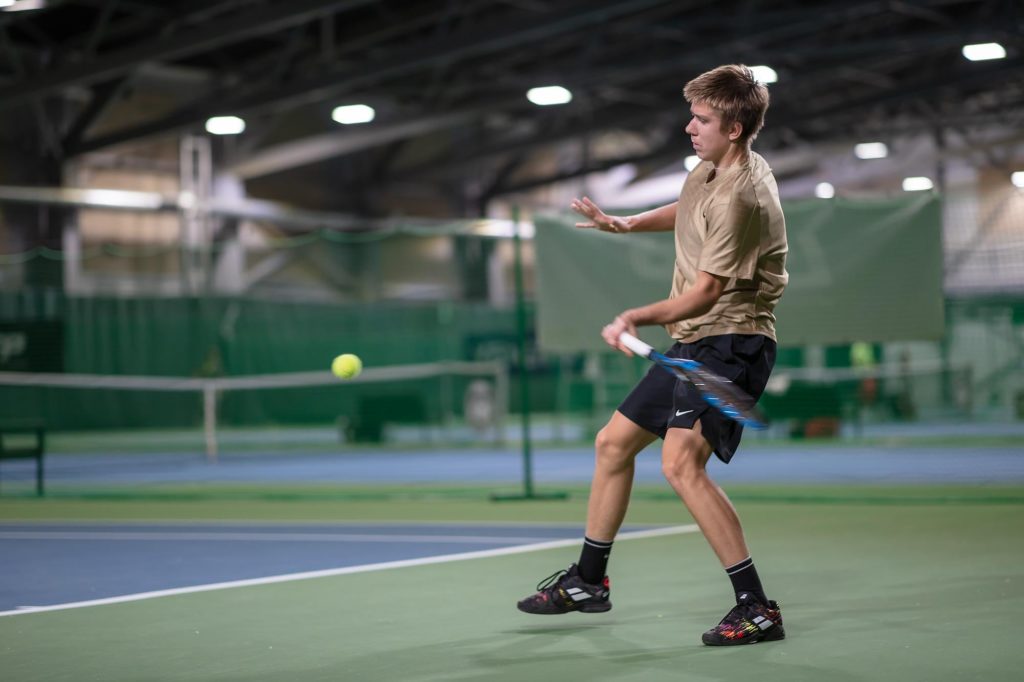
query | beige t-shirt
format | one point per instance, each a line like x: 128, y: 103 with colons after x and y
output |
x: 731, y: 226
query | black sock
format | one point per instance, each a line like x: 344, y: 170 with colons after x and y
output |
x: 594, y: 560
x: 744, y: 579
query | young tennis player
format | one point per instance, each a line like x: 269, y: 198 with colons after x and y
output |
x: 730, y: 242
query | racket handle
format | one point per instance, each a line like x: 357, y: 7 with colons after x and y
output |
x: 635, y: 345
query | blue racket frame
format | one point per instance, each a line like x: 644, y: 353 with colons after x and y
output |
x: 717, y: 391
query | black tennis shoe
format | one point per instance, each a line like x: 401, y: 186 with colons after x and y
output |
x: 565, y: 591
x: 748, y: 622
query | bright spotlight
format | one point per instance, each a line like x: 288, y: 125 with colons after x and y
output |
x: 1017, y: 178
x: 548, y: 95
x: 824, y: 190
x: 764, y: 74
x: 690, y: 162
x: 871, y: 150
x: 917, y: 184
x: 981, y: 52
x: 225, y: 125
x: 22, y: 6
x: 350, y: 114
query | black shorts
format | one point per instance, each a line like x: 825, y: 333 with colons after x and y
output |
x: 661, y: 401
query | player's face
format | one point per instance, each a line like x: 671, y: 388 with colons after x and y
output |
x: 705, y: 130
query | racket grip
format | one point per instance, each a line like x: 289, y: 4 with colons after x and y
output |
x: 635, y: 345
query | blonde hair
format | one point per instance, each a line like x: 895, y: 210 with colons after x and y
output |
x: 735, y: 94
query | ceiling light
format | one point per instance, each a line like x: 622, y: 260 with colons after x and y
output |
x: 980, y: 52
x: 764, y: 74
x: 824, y: 190
x: 115, y: 198
x: 690, y: 162
x: 1017, y: 178
x: 350, y: 114
x: 916, y: 184
x: 871, y: 150
x: 225, y: 125
x: 22, y: 6
x: 548, y: 95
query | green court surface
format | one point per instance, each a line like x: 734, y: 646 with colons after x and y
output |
x: 876, y: 584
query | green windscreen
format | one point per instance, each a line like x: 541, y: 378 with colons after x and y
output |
x: 859, y: 271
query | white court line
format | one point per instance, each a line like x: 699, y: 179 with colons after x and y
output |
x: 260, y: 523
x: 255, y: 537
x: 366, y: 568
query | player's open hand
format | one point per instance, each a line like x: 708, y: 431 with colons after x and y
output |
x: 598, y: 219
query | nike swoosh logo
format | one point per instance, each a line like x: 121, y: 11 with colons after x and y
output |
x: 681, y: 413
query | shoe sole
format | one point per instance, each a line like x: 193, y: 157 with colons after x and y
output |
x: 770, y: 636
x: 585, y: 608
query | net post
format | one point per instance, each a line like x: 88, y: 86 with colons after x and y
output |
x: 524, y: 392
x: 210, y: 419
x: 524, y: 387
x: 501, y: 384
x: 447, y: 401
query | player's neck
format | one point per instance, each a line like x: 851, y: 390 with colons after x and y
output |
x: 737, y: 154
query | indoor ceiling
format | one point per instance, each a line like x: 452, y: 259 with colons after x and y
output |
x: 453, y: 128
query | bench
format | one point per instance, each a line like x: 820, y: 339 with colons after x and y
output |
x: 19, y: 451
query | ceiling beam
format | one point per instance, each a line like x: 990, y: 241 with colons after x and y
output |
x: 615, y: 69
x: 102, y: 95
x: 338, y: 143
x: 270, y: 19
x: 972, y: 75
x: 617, y: 120
x: 501, y: 34
x: 584, y: 169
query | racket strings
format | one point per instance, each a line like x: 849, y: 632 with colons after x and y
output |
x: 719, y: 392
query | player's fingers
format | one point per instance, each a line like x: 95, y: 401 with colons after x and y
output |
x: 611, y: 333
x: 583, y: 210
x: 623, y: 349
x: 586, y: 225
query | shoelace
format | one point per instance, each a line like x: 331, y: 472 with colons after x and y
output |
x: 734, y: 616
x: 550, y: 580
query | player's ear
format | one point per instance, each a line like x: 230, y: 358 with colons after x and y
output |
x: 735, y: 131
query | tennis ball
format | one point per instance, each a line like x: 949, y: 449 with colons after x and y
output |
x: 347, y: 366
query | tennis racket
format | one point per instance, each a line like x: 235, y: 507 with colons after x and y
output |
x: 720, y: 393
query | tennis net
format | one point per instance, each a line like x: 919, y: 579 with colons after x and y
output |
x: 430, y: 403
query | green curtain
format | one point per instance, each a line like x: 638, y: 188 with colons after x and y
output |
x: 859, y: 271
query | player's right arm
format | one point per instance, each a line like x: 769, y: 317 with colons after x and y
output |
x: 661, y: 219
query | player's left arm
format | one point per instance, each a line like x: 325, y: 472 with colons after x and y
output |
x: 694, y: 302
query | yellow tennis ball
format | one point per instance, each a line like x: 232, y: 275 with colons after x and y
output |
x: 347, y: 366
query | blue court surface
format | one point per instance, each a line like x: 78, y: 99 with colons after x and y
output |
x: 45, y: 564
x: 755, y: 463
x: 49, y: 563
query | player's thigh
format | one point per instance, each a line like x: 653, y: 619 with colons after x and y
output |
x: 685, y: 453
x: 621, y: 439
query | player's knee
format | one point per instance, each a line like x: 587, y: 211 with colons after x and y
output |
x: 683, y: 467
x: 611, y: 451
